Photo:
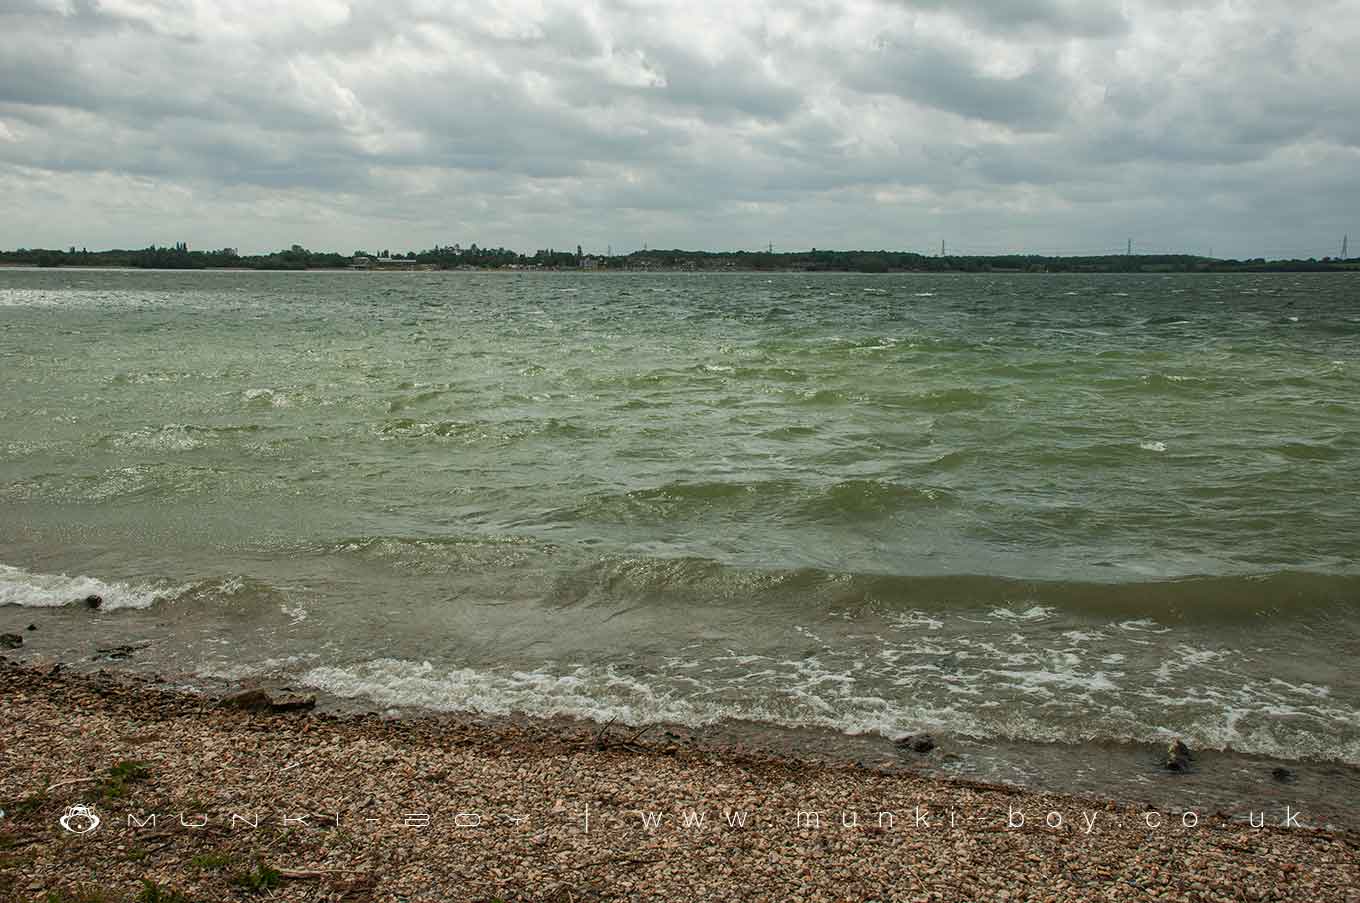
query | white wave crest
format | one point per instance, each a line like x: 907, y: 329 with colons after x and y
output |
x: 21, y: 587
x: 1033, y: 613
x: 595, y: 693
x: 813, y: 694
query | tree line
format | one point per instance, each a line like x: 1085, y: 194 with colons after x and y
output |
x: 180, y: 257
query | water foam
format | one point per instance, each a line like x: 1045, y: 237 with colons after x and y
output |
x: 394, y: 683
x: 267, y: 396
x: 1033, y: 613
x: 812, y: 692
x: 172, y: 437
x: 24, y: 588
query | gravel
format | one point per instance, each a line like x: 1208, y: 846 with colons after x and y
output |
x: 307, y: 806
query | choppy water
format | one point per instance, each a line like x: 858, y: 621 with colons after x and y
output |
x: 1031, y: 507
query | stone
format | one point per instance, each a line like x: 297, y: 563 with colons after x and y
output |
x: 113, y: 653
x: 10, y: 641
x: 31, y: 627
x: 1283, y: 775
x: 1178, y: 757
x: 920, y: 743
x: 94, y: 601
x: 258, y: 700
x: 292, y: 702
x: 253, y: 700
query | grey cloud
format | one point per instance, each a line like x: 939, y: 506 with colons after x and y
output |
x: 1080, y: 18
x: 921, y: 72
x: 728, y: 85
x: 703, y: 125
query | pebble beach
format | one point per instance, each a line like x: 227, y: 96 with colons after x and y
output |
x: 119, y: 788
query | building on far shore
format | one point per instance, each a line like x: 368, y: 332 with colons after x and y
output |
x: 361, y: 262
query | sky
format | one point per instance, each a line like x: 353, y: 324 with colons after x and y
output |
x: 1224, y: 127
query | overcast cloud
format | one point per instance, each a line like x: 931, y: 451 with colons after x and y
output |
x: 1059, y: 126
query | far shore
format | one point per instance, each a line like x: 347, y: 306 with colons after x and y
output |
x: 197, y: 800
x: 966, y: 267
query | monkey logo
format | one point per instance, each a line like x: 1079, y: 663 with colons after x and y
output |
x: 80, y: 820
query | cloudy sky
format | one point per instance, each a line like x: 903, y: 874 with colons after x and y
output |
x: 1058, y: 126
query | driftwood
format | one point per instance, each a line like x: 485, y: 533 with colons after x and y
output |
x: 315, y: 874
x: 604, y: 741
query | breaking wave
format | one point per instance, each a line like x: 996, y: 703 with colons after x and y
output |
x: 816, y: 694
x: 21, y: 587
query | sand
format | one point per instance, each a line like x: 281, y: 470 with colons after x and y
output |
x: 198, y: 802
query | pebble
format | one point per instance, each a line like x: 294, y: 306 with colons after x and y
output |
x: 77, y: 725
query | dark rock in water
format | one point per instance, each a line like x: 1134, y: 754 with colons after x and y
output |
x: 32, y: 627
x: 293, y: 702
x: 251, y: 700
x: 1178, y: 757
x: 94, y: 601
x: 257, y: 700
x: 1283, y: 775
x: 113, y: 653
x: 10, y: 641
x: 920, y: 743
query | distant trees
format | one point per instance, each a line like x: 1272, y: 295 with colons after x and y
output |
x: 297, y: 257
x: 548, y: 258
x: 454, y: 256
x: 176, y: 258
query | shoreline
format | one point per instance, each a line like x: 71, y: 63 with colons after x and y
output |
x: 674, y: 270
x: 308, y: 805
x: 1132, y: 770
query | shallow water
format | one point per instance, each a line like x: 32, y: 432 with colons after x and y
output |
x: 1036, y: 508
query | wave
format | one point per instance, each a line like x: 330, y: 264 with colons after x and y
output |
x: 818, y: 696
x: 422, y: 394
x: 581, y: 576
x: 485, y: 431
x: 786, y: 500
x: 939, y: 401
x: 25, y: 588
x: 1282, y: 594
x: 176, y: 436
x: 1188, y: 598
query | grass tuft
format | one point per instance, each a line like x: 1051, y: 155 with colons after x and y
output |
x: 115, y: 783
x: 26, y: 806
x: 154, y: 893
x: 81, y: 895
x: 211, y: 862
x: 259, y: 879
